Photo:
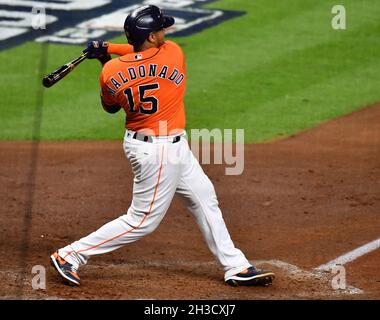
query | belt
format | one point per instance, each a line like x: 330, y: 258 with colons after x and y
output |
x: 142, y: 137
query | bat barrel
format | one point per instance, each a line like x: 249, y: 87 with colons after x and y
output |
x: 56, y: 75
x: 61, y: 72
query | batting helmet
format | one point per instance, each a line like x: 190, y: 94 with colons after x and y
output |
x: 144, y: 20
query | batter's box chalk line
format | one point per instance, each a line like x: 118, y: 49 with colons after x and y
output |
x: 295, y: 272
x: 350, y: 256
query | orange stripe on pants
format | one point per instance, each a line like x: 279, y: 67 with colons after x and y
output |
x: 142, y: 221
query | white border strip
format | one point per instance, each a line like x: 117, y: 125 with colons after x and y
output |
x: 350, y: 256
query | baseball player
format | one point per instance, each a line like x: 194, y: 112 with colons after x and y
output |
x: 148, y: 81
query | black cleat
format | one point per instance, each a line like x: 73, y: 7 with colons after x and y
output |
x: 65, y: 270
x: 251, y: 277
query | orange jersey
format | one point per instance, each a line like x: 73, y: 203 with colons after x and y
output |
x: 149, y: 86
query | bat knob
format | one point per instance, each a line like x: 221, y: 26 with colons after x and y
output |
x: 47, y: 82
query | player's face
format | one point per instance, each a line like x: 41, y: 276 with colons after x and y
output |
x: 159, y: 38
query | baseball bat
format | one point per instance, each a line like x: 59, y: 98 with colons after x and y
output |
x: 55, y: 76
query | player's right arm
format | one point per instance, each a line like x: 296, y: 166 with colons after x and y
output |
x: 119, y: 49
x: 100, y: 48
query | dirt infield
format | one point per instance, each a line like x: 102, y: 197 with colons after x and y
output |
x: 301, y: 202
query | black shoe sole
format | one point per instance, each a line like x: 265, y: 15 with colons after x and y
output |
x: 264, y: 281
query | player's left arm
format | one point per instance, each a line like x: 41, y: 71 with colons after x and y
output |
x: 107, y: 99
x: 110, y: 108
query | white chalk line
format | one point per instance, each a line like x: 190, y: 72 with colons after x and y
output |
x: 295, y: 272
x: 350, y: 256
x: 292, y: 271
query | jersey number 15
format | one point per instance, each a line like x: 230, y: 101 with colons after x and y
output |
x: 143, y: 98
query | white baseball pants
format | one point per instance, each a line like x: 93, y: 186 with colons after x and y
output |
x: 162, y: 168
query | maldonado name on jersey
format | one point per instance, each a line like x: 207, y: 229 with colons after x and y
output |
x: 152, y: 70
x: 78, y: 21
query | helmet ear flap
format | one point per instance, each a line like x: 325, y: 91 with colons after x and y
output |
x: 127, y: 34
x: 127, y: 24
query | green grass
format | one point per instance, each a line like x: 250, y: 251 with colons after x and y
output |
x: 275, y: 71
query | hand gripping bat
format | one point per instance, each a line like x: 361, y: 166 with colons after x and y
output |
x: 61, y: 72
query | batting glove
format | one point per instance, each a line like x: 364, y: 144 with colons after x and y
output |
x: 96, y: 49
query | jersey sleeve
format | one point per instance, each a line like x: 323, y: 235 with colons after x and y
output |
x: 176, y: 51
x: 119, y: 49
x: 106, y: 93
